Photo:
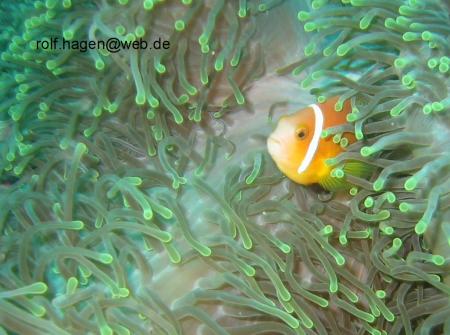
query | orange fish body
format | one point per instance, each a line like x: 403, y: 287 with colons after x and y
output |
x: 300, y: 152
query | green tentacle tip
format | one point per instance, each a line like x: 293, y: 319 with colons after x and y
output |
x: 165, y: 212
x: 411, y: 184
x: 19, y: 78
x: 120, y: 30
x: 443, y: 68
x: 407, y: 80
x: 130, y: 37
x: 50, y: 4
x: 180, y: 25
x: 353, y: 191
x: 285, y: 248
x: 205, y: 48
x: 203, y: 39
x: 99, y: 64
x: 432, y: 63
x: 218, y: 64
x: 140, y: 99
x: 81, y: 148
x: 400, y: 63
x: 339, y: 106
x: 383, y: 215
x: 71, y: 285
x: 179, y: 120
x: 173, y: 253
x: 10, y: 156
x: 135, y: 181
x: 177, y: 182
x: 262, y: 7
x: 153, y: 102
x: 421, y: 227
x: 310, y: 26
x: 390, y: 197
x: 351, y: 117
x: 378, y: 185
x: 106, y: 330
x: 68, y: 34
x: 338, y: 173
x: 204, y: 250
x: 37, y: 288
x: 147, y: 214
x: 438, y: 260
x: 249, y: 270
x: 364, y: 23
x: 427, y: 109
x: 120, y: 292
x: 182, y: 99
x: 317, y: 4
x: 305, y: 83
x: 380, y: 294
x: 106, y: 258
x: 310, y: 48
x: 333, y: 288
x: 247, y: 242
x: 292, y: 322
x: 367, y: 151
x: 426, y: 35
x: 327, y: 230
x: 437, y: 106
x: 150, y: 114
x: 368, y: 202
x: 148, y: 4
x: 340, y: 260
x: 303, y: 16
x: 386, y: 229
x: 51, y: 64
x: 77, y: 225
x: 112, y: 108
x: 321, y: 98
x: 337, y: 138
x: 342, y: 50
x: 410, y: 36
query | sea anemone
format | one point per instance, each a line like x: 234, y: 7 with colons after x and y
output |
x: 138, y: 197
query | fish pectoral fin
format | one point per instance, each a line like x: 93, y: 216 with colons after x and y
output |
x: 334, y: 184
x: 358, y: 169
x: 353, y: 168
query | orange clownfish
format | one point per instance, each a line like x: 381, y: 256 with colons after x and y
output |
x: 300, y: 152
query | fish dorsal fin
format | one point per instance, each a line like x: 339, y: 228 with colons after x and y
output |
x: 314, y: 144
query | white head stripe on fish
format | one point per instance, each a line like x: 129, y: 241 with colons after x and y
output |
x: 312, y: 149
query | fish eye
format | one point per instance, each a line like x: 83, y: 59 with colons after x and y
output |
x: 301, y: 133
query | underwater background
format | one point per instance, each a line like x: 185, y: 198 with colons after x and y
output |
x: 137, y: 195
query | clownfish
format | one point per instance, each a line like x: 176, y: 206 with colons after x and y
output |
x: 300, y: 151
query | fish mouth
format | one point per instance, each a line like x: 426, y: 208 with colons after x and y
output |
x: 279, y: 153
x: 274, y: 146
